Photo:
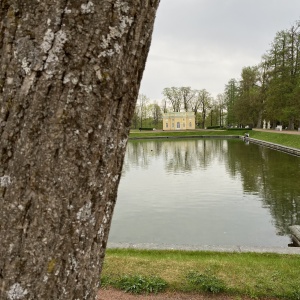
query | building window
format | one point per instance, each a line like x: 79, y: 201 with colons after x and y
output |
x: 167, y: 125
x: 172, y: 125
x: 178, y: 124
x: 190, y: 124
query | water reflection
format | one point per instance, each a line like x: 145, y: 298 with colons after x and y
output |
x: 185, y: 156
x: 216, y: 192
x: 274, y: 177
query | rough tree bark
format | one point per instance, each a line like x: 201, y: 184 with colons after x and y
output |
x: 69, y: 78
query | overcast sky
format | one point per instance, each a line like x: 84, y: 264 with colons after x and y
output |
x: 205, y: 43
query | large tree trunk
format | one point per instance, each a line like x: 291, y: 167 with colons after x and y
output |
x: 69, y: 79
x: 259, y: 120
x: 291, y: 123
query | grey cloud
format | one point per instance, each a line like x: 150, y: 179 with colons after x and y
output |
x: 204, y: 43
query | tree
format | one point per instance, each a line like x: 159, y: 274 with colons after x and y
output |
x: 142, y: 103
x: 155, y: 112
x: 283, y: 70
x: 279, y: 85
x: 195, y: 106
x: 247, y: 108
x: 135, y: 118
x: 164, y: 106
x: 205, y: 101
x: 187, y: 95
x: 196, y: 103
x: 231, y: 95
x: 69, y: 78
x: 179, y: 97
x: 269, y: 91
x: 173, y: 95
x: 263, y: 81
x: 220, y: 107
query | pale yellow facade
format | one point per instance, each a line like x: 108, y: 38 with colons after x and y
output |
x: 179, y: 121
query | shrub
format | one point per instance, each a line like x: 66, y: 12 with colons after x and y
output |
x: 136, y: 284
x: 106, y: 281
x: 239, y: 129
x: 146, y: 128
x: 214, y: 127
x: 207, y: 282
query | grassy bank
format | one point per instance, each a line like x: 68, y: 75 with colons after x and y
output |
x: 238, y: 274
x: 288, y: 140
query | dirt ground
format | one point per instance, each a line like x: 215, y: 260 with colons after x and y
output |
x: 111, y: 294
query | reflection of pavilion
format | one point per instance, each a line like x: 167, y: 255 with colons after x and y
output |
x: 179, y: 121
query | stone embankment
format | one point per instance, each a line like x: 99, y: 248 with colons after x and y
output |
x: 285, y: 149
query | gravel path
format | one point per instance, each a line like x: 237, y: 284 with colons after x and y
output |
x: 277, y: 131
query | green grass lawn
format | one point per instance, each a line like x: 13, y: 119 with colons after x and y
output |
x: 238, y: 274
x: 289, y: 140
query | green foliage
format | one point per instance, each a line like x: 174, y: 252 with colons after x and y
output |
x: 207, y: 282
x: 146, y: 128
x: 236, y: 129
x: 231, y: 96
x: 136, y: 284
x: 270, y: 90
x: 106, y: 281
x: 214, y: 127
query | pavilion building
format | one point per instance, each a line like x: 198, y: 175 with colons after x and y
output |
x: 179, y: 121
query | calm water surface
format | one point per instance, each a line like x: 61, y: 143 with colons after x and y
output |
x: 206, y: 192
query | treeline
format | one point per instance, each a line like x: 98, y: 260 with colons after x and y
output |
x: 269, y: 91
x: 200, y: 102
x: 267, y: 94
x: 208, y: 111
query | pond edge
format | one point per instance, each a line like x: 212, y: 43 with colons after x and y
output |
x: 278, y: 147
x: 208, y: 248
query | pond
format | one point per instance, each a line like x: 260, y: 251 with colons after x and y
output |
x: 196, y: 192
